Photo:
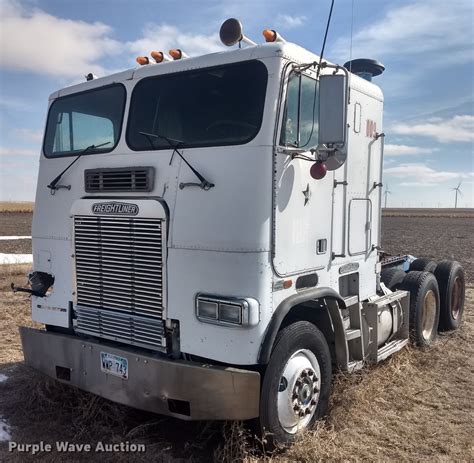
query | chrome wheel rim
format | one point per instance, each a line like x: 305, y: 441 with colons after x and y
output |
x: 456, y: 298
x: 428, y: 314
x: 298, y: 391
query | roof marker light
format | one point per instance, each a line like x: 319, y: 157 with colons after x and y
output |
x: 272, y: 36
x: 177, y: 53
x: 142, y: 60
x: 159, y: 56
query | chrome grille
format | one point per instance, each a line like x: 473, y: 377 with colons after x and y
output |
x: 119, y: 274
x: 138, y: 331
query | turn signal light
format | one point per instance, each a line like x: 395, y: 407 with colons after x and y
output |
x: 142, y: 60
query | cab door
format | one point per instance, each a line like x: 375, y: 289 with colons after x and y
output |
x: 302, y: 205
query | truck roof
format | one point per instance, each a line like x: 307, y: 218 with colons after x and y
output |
x: 281, y: 50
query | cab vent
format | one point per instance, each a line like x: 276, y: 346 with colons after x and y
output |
x: 119, y: 179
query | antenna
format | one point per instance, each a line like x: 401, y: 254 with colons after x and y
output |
x: 387, y: 192
x: 457, y: 190
x: 325, y: 37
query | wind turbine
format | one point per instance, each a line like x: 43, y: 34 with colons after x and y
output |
x: 457, y: 190
x: 387, y: 192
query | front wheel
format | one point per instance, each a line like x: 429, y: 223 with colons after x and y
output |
x: 297, y: 383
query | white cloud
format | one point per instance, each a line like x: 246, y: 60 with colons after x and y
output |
x: 164, y: 37
x: 423, y: 26
x: 18, y: 152
x: 39, y: 42
x: 45, y: 44
x: 458, y: 128
x: 29, y: 135
x: 286, y: 21
x: 422, y: 175
x: 405, y: 150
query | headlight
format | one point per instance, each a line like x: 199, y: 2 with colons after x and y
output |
x: 227, y: 311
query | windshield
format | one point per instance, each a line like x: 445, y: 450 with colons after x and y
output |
x: 84, y: 119
x: 206, y: 107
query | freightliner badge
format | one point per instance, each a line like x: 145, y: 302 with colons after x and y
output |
x: 114, y: 208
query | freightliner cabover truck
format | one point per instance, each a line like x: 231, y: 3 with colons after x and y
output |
x: 206, y: 237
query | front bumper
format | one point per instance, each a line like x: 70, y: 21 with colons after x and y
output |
x: 186, y: 390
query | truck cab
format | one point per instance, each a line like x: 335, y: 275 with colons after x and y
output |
x: 210, y: 247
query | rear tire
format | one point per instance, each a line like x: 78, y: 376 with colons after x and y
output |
x: 297, y: 383
x: 452, y: 285
x: 392, y: 277
x: 423, y: 265
x: 424, y: 306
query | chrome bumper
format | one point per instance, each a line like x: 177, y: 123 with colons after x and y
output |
x: 186, y: 390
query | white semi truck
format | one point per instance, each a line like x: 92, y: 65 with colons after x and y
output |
x: 206, y: 237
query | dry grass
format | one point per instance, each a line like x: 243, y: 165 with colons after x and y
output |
x: 416, y: 406
x: 7, y: 206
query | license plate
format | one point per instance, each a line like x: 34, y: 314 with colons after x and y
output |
x: 113, y: 364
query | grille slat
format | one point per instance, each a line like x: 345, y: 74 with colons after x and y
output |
x: 119, y: 179
x: 133, y: 330
x: 140, y: 281
x: 119, y: 279
x: 128, y: 296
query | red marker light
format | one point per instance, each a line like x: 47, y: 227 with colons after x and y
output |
x: 318, y: 170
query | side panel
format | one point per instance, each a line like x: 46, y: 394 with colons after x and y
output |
x: 303, y: 212
x: 222, y: 274
x: 356, y: 204
x: 360, y: 229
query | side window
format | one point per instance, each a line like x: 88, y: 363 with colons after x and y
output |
x: 300, y: 120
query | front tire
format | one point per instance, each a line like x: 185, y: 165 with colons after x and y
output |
x: 297, y: 383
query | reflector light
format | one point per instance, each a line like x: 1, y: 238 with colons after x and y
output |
x: 287, y: 284
x: 142, y: 60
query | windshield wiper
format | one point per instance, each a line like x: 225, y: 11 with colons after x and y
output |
x: 53, y: 186
x: 175, y: 145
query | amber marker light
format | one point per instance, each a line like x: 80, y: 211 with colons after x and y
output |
x: 142, y: 60
x: 270, y: 35
x: 176, y: 53
x: 159, y: 56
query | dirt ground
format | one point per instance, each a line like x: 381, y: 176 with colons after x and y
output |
x: 415, y: 406
x: 15, y: 224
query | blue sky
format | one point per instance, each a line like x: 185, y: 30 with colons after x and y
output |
x: 427, y: 47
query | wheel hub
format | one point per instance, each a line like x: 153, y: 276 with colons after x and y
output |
x: 456, y: 297
x: 428, y: 314
x: 298, y: 401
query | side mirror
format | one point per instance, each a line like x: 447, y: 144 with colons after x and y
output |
x: 333, y: 110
